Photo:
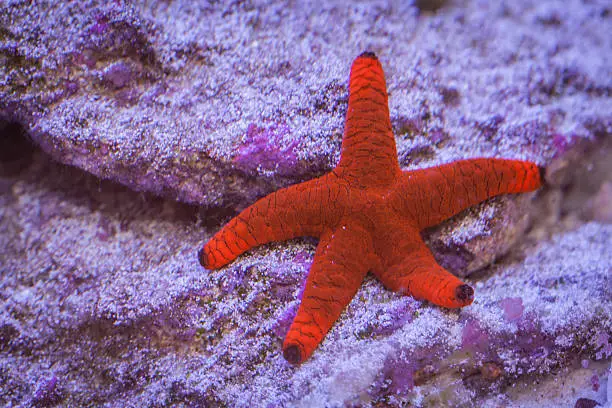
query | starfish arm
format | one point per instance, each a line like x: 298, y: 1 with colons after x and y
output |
x: 299, y: 210
x: 368, y: 155
x: 340, y: 264
x: 409, y: 267
x: 432, y: 195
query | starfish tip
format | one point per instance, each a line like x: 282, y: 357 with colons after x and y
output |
x: 368, y: 54
x: 465, y: 293
x: 292, y: 354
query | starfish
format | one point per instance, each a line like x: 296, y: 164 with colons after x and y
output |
x: 368, y: 214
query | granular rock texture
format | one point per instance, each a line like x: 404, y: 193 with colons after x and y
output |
x: 104, y: 303
x: 182, y: 98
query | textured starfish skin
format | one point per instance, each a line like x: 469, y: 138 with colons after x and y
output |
x: 367, y: 214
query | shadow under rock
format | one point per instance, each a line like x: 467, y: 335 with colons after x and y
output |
x: 22, y: 160
x: 16, y: 149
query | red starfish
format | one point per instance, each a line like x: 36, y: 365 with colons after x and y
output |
x: 367, y: 214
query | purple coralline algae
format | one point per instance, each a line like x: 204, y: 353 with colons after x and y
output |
x: 473, y: 337
x: 513, y: 308
x: 262, y: 150
x: 117, y: 75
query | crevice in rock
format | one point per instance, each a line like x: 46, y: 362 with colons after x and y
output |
x: 22, y: 160
x: 16, y: 148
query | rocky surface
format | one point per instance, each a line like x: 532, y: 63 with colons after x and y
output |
x: 102, y: 301
x: 220, y: 105
x: 182, y: 99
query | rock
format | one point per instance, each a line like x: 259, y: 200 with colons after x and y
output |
x: 165, y: 99
x: 602, y: 203
x: 101, y: 285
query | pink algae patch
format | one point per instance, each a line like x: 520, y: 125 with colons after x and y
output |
x: 474, y: 337
x: 264, y: 148
x: 513, y: 308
